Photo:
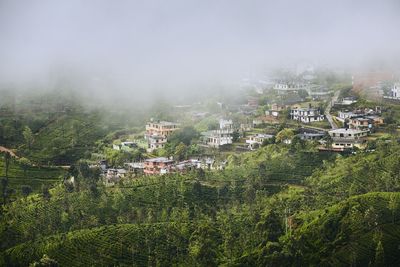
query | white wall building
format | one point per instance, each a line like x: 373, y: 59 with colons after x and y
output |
x: 396, y: 91
x: 225, y: 124
x: 306, y: 115
x: 256, y: 140
x: 155, y: 142
x: 218, y: 138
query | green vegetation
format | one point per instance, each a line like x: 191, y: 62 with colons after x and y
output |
x: 285, y: 204
x: 21, y: 173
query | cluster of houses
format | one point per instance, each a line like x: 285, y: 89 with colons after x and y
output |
x: 315, y: 91
x: 157, y: 166
x: 357, y: 125
x: 361, y: 119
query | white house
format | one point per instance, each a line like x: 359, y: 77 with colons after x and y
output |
x: 218, y: 138
x: 343, y: 115
x: 225, y: 124
x: 125, y: 145
x: 256, y: 140
x: 306, y: 115
x: 396, y: 91
x: 288, y: 87
x: 155, y: 142
x: 223, y: 136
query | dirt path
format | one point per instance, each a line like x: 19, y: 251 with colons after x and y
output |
x: 4, y: 149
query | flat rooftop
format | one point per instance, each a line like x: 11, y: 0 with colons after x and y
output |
x: 159, y: 159
x: 348, y: 131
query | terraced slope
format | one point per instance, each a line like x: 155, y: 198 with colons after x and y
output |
x: 35, y: 177
x: 360, y: 231
x: 348, y: 234
x: 121, y: 245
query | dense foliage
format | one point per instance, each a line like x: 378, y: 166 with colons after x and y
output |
x: 262, y: 210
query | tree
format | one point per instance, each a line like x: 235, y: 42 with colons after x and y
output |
x: 268, y: 141
x: 25, y: 163
x: 28, y: 136
x: 329, y: 141
x: 26, y: 190
x: 203, y: 244
x: 184, y: 135
x: 235, y: 136
x: 4, y: 185
x: 297, y: 144
x: 303, y: 93
x: 180, y: 151
x: 393, y: 206
x: 284, y: 135
x: 7, y: 161
x: 45, y: 192
x: 45, y: 261
x: 379, y: 255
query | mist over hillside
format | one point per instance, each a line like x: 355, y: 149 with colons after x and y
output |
x: 199, y: 133
x: 136, y: 51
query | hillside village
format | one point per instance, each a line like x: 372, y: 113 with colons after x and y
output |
x: 331, y: 117
x: 259, y: 169
x: 275, y: 160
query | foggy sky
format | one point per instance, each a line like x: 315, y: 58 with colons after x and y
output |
x: 138, y: 47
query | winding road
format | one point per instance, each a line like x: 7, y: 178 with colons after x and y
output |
x: 328, y: 110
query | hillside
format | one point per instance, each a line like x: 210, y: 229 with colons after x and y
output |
x: 27, y: 175
x: 350, y: 233
x: 262, y: 210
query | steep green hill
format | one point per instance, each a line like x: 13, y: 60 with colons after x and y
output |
x: 66, y: 139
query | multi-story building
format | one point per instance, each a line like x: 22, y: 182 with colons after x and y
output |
x: 161, y: 128
x: 360, y: 123
x: 343, y: 115
x: 348, y: 138
x: 155, y: 142
x: 275, y: 110
x: 157, y: 133
x: 226, y: 125
x: 223, y: 136
x: 394, y: 92
x: 306, y: 115
x: 159, y: 165
x: 365, y: 122
x: 284, y: 87
x: 218, y: 138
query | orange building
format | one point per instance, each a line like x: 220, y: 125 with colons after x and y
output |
x: 159, y: 165
x: 161, y: 128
